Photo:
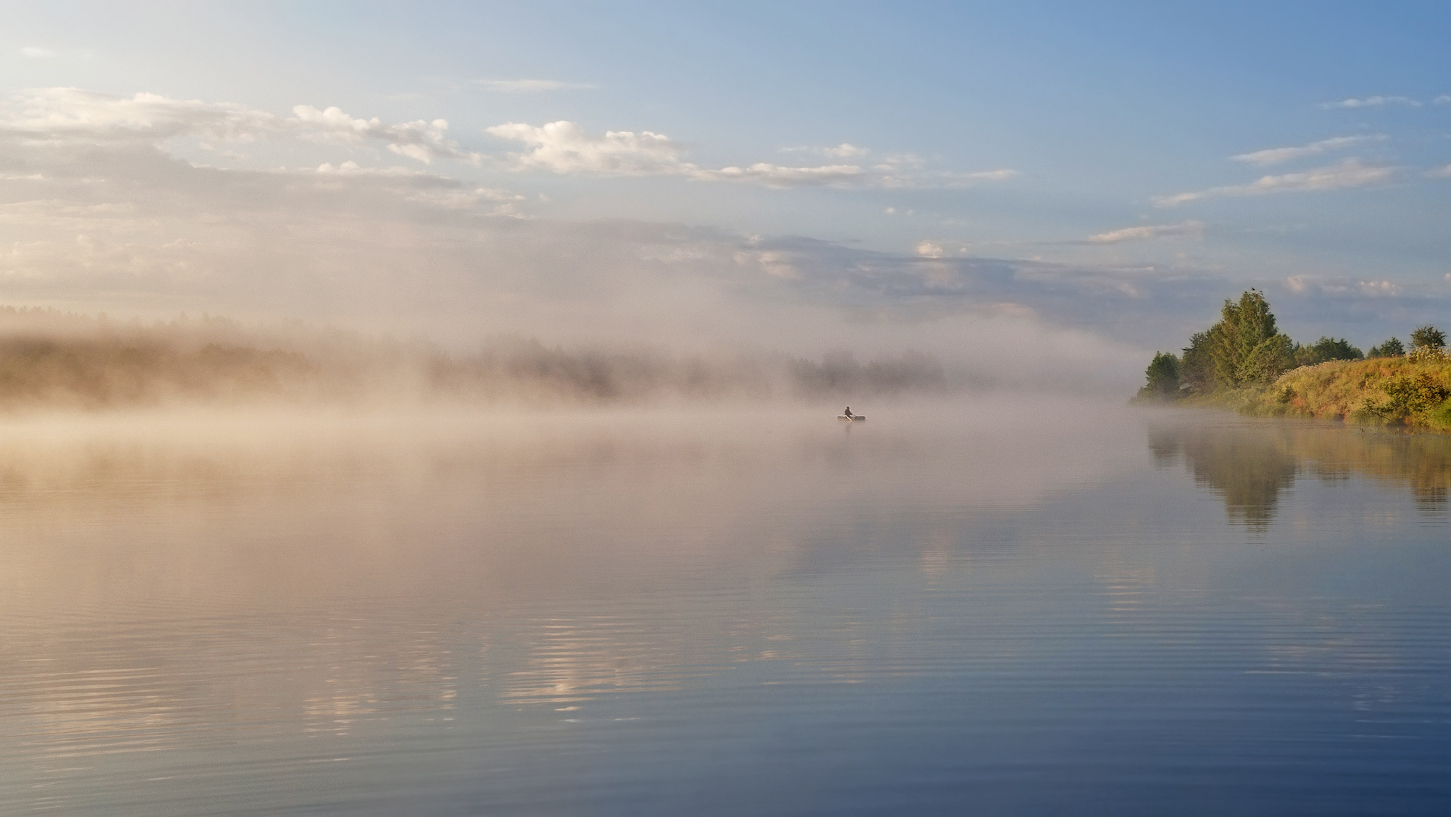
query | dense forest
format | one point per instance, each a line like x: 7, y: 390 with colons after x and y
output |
x: 49, y: 358
x: 1244, y: 362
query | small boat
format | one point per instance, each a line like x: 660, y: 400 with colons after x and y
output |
x: 858, y: 418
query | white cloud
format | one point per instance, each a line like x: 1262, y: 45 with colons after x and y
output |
x: 775, y: 264
x: 903, y: 170
x: 845, y: 150
x: 505, y: 203
x: 999, y: 175
x: 1338, y: 286
x: 1380, y: 289
x: 901, y: 161
x: 1143, y: 233
x: 1273, y: 156
x: 779, y: 176
x: 929, y: 249
x: 1440, y: 172
x: 69, y: 113
x: 51, y: 114
x: 1346, y: 174
x: 1444, y: 99
x: 1341, y: 287
x: 36, y: 53
x: 944, y: 179
x: 529, y: 86
x: 421, y: 140
x: 427, y: 188
x: 351, y: 168
x: 566, y: 148
x: 1373, y: 102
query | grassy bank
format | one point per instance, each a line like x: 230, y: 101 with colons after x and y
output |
x: 1410, y: 391
x: 1245, y: 363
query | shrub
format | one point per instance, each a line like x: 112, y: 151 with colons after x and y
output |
x: 1427, y: 354
x: 1408, y: 395
x: 1326, y: 349
x: 1428, y: 337
x: 1162, y: 378
x: 1269, y: 359
x: 1391, y: 348
x: 1196, y: 369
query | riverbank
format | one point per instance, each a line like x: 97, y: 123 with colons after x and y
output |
x: 1409, y: 391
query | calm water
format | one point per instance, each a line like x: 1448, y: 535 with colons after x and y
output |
x: 979, y: 609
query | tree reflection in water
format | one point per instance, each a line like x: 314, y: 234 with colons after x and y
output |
x: 1249, y: 463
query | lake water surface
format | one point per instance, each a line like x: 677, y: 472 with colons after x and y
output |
x: 993, y: 607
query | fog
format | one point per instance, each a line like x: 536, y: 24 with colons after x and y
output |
x: 54, y: 360
x: 208, y: 506
x: 108, y: 210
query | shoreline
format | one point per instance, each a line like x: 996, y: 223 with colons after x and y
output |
x: 1407, y: 393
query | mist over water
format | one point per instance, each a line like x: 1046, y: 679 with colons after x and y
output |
x: 51, y: 360
x: 992, y: 600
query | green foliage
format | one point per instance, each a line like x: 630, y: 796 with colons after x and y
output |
x: 1162, y: 378
x: 1243, y: 363
x: 1242, y: 330
x: 1428, y: 337
x: 1220, y: 358
x: 1245, y: 351
x: 1409, y: 394
x: 1266, y: 361
x: 1196, y: 368
x: 1326, y: 349
x: 1378, y: 391
x: 1391, y: 348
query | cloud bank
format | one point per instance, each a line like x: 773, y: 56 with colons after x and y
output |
x: 74, y: 115
x: 566, y: 148
x: 100, y: 212
x: 1345, y: 174
x: 1373, y: 102
x: 1274, y: 156
x: 1145, y: 232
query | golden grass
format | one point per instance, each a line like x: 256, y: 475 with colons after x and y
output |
x: 1408, y: 391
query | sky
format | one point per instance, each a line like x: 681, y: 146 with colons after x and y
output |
x: 1081, y: 182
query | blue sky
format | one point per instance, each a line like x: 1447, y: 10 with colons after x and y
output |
x: 1120, y: 167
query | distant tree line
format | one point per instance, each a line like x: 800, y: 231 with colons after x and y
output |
x: 525, y: 368
x: 1246, y: 349
x: 48, y: 358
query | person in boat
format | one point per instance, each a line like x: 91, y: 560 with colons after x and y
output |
x: 847, y: 414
